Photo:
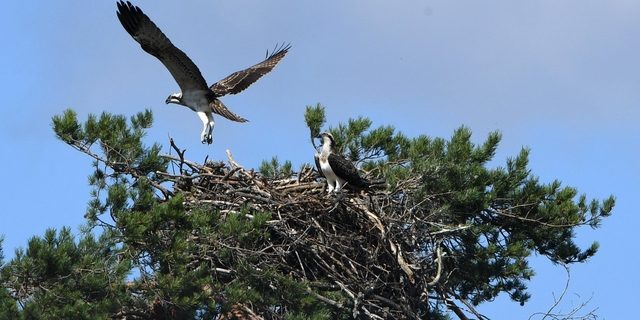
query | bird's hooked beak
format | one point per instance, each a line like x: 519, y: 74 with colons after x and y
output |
x: 174, y: 98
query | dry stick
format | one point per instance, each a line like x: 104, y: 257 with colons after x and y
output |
x: 254, y: 190
x: 439, y: 263
x: 472, y: 309
x: 403, y: 264
x: 232, y: 162
x: 230, y: 173
x: 325, y: 299
x: 302, y: 186
x: 539, y: 221
x: 338, y: 262
x: 194, y: 166
x: 345, y: 289
x: 376, y: 221
x: 566, y: 287
x: 180, y: 153
x: 453, y: 307
x: 254, y: 197
x: 169, y: 175
x: 371, y: 315
x: 252, y: 315
x: 301, y: 265
x: 445, y: 230
x: 394, y: 248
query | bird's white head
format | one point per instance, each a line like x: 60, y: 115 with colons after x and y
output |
x: 174, y: 98
x: 327, y: 139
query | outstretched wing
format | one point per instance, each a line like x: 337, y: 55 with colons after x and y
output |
x: 218, y: 107
x: 154, y: 42
x: 346, y: 170
x: 241, y: 80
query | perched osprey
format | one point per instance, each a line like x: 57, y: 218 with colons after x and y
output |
x: 336, y: 169
x: 195, y: 95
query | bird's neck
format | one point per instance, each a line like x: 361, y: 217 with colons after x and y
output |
x: 326, y: 148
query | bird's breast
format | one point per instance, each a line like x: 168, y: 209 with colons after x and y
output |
x: 196, y: 100
x: 326, y: 167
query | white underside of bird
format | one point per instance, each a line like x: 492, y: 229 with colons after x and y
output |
x: 197, y: 101
x: 334, y: 183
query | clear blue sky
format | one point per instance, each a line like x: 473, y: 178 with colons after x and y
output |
x: 561, y: 77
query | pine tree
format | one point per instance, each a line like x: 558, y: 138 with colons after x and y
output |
x: 8, y: 307
x: 168, y: 238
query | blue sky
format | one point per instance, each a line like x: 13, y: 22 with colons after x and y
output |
x: 561, y: 77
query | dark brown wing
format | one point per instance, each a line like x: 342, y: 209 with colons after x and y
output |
x: 218, y: 107
x: 154, y: 42
x: 344, y: 169
x: 241, y: 80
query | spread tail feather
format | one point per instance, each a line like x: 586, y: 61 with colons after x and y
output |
x: 377, y: 184
x: 219, y: 108
x: 363, y: 183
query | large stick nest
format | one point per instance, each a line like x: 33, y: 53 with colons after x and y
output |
x: 363, y: 244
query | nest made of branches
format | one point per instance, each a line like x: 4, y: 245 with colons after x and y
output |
x: 361, y: 243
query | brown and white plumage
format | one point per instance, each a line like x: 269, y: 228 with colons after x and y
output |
x: 195, y: 94
x: 242, y: 79
x: 337, y: 169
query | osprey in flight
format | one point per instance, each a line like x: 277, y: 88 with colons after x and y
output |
x: 336, y: 169
x: 195, y: 95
